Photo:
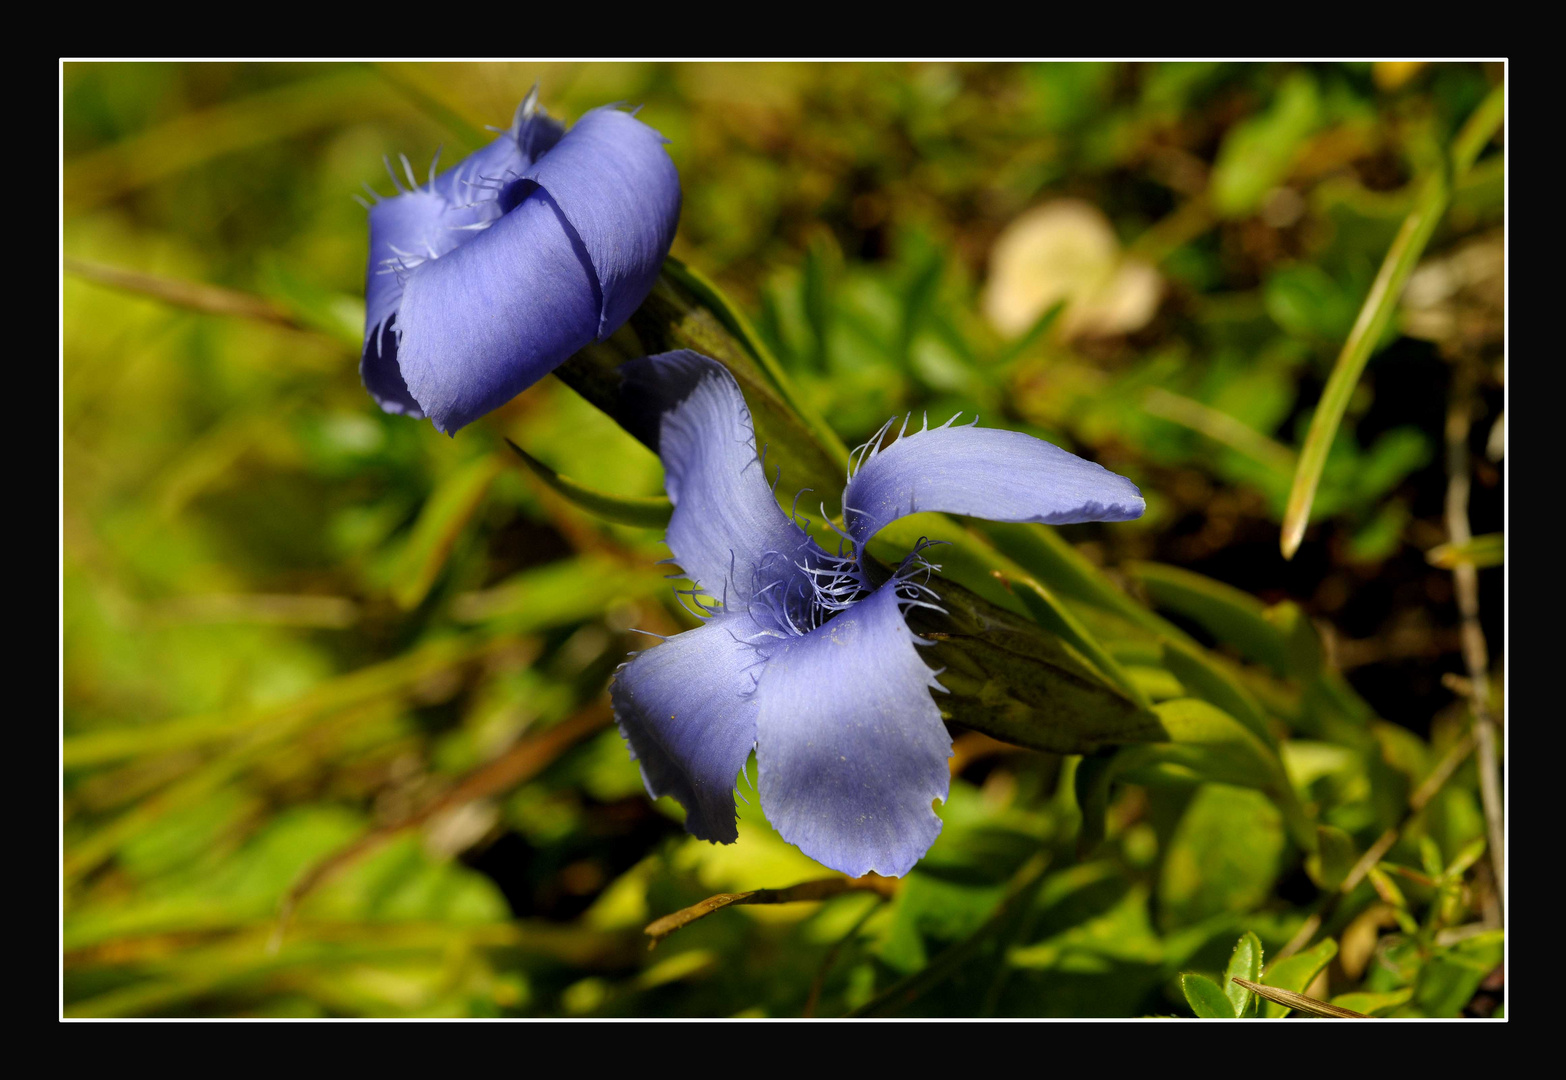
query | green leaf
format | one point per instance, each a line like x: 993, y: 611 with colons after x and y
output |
x: 1452, y: 977
x: 1233, y: 617
x: 1204, y: 744
x: 1480, y: 552
x: 1206, y: 677
x: 1464, y: 859
x: 1245, y: 963
x: 1297, y: 972
x: 1302, y: 644
x: 1222, y: 428
x: 1377, y: 311
x: 1374, y: 1004
x: 1258, y: 153
x: 1206, y: 998
x: 1221, y: 748
x: 1430, y: 857
x: 1386, y: 888
x: 1223, y: 857
x: 1335, y: 857
x: 646, y: 511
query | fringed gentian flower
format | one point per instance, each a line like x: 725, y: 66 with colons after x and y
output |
x: 487, y: 277
x: 805, y: 656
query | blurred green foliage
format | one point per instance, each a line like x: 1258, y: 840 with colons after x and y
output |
x: 335, y: 736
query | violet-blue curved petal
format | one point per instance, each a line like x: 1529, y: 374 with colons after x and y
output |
x: 727, y: 533
x: 686, y: 709
x: 986, y: 473
x: 850, y: 746
x: 617, y: 186
x: 422, y: 223
x: 486, y: 321
x: 479, y: 284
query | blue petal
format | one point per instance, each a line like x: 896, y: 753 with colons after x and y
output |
x: 728, y: 532
x: 422, y: 223
x: 484, y: 322
x: 849, y: 744
x: 403, y: 231
x: 382, y: 377
x: 686, y: 709
x: 616, y: 185
x: 426, y: 223
x: 986, y: 473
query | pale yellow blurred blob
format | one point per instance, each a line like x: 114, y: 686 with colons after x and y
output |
x: 1391, y: 74
x: 1067, y: 250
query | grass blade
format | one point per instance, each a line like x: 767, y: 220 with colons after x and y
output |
x: 646, y: 511
x: 1378, y: 310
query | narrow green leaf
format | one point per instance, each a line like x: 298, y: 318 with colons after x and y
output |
x: 471, y: 135
x: 1043, y: 553
x: 1481, y: 551
x: 1055, y: 617
x: 1233, y: 617
x: 735, y: 322
x: 1206, y: 677
x: 1302, y: 644
x: 916, y: 304
x: 556, y: 594
x: 1206, y: 998
x: 1244, y: 963
x: 1018, y: 348
x: 646, y: 511
x: 1377, y: 311
x: 815, y: 287
x: 1296, y: 973
x: 1373, y: 1004
x: 446, y: 513
x: 1221, y: 428
x: 193, y: 137
x: 1469, y: 855
x: 1386, y: 888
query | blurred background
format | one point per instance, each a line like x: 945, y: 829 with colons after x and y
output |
x: 336, y: 737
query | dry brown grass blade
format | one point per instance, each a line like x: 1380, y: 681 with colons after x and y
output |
x: 819, y: 889
x: 1301, y: 1003
x: 192, y: 295
x: 525, y: 760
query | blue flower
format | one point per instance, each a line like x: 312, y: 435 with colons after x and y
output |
x: 805, y: 656
x: 484, y: 279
